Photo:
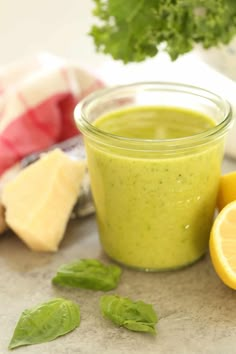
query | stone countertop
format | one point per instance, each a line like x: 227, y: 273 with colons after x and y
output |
x: 196, y: 310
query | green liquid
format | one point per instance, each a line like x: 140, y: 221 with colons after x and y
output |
x: 154, y: 123
x: 155, y: 212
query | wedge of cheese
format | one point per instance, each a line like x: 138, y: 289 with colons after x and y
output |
x: 40, y: 199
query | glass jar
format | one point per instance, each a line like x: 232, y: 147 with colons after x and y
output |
x: 154, y: 198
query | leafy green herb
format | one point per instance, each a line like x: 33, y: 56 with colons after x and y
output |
x: 135, y: 316
x: 88, y: 274
x: 136, y: 29
x: 46, y: 322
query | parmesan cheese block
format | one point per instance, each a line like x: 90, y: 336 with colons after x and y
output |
x: 40, y: 199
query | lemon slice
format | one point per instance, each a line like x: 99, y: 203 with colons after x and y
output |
x: 227, y: 190
x: 223, y: 245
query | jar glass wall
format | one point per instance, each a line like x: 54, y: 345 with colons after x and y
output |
x: 154, y: 198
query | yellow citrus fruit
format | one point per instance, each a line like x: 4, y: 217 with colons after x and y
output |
x: 227, y: 190
x: 223, y: 245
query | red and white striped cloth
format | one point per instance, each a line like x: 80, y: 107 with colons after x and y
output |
x: 37, y: 99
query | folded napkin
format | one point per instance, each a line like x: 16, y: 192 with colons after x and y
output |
x: 37, y: 99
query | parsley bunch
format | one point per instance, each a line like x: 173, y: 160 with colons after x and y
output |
x: 132, y: 30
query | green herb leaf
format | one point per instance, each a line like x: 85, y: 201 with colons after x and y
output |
x: 88, y: 274
x: 136, y: 29
x: 135, y: 316
x: 46, y: 322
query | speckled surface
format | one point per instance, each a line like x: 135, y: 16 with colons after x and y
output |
x: 197, y: 313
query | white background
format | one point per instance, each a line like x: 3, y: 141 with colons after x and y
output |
x: 58, y: 26
x: 61, y: 27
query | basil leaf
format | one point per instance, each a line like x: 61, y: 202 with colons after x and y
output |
x: 135, y: 316
x: 88, y: 274
x: 46, y: 322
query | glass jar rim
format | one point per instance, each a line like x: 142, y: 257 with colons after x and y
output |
x: 107, y: 138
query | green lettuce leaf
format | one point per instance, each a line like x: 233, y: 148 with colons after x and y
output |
x: 136, y: 29
x: 46, y: 322
x: 88, y: 274
x: 135, y: 316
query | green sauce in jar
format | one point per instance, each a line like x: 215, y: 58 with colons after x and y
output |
x: 154, y: 212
